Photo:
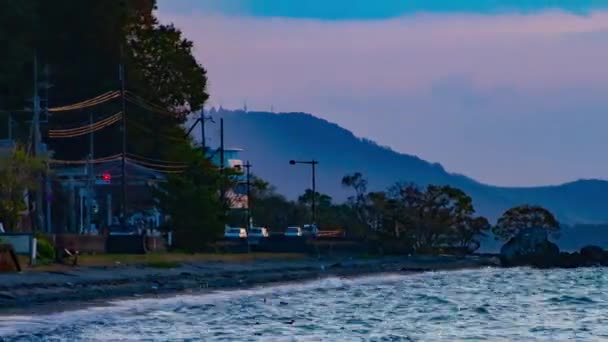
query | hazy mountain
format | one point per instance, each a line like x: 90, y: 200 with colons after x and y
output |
x: 270, y: 140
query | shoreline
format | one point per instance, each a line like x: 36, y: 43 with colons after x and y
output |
x: 39, y: 292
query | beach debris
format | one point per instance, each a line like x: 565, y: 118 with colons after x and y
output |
x: 6, y: 295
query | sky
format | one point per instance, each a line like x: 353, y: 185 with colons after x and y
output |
x: 508, y: 92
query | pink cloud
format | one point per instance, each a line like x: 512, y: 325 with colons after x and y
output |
x: 508, y: 67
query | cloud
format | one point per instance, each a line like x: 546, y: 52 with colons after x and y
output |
x: 369, y: 9
x: 477, y: 93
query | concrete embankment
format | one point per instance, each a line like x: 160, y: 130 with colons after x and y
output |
x: 29, y: 290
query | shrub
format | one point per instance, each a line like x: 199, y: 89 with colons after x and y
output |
x: 46, y: 251
x: 163, y: 264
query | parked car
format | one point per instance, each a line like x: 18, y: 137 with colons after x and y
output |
x: 258, y: 232
x: 311, y: 230
x: 293, y: 231
x: 235, y: 233
x: 118, y: 229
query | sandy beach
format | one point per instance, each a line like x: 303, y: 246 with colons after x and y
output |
x: 68, y: 289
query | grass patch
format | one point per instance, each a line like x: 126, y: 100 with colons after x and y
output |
x: 164, y: 260
x: 163, y: 264
x: 179, y: 258
x: 368, y: 256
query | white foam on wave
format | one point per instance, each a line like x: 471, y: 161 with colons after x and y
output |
x: 16, y: 324
x: 19, y: 324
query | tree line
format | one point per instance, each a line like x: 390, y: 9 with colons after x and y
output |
x: 418, y: 219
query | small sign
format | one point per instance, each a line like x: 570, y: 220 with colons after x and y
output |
x: 103, y: 179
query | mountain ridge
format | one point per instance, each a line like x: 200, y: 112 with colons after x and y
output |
x: 270, y: 140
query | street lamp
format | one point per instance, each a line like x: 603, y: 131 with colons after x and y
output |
x: 312, y: 163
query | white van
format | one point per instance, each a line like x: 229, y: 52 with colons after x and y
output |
x: 235, y: 233
x: 293, y: 231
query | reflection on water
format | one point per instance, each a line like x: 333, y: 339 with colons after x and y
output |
x: 490, y: 304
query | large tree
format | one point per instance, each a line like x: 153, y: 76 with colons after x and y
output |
x: 432, y: 218
x: 523, y: 217
x: 81, y: 44
x: 191, y: 199
x: 19, y: 172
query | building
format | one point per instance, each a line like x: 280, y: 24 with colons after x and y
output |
x: 104, y: 188
x: 238, y: 194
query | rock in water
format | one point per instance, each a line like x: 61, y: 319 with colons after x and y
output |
x: 594, y: 255
x: 531, y: 247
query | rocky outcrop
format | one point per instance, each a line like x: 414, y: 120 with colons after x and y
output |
x: 531, y: 247
x: 594, y: 254
x: 588, y: 256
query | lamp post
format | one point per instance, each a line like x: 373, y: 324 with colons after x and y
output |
x: 313, y: 163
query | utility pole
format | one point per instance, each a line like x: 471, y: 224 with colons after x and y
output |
x: 49, y: 199
x: 248, y: 177
x: 48, y: 192
x: 124, y: 142
x: 314, y: 192
x: 10, y: 126
x: 203, y: 138
x: 37, y: 142
x: 222, y: 173
x: 312, y: 163
x: 89, y: 203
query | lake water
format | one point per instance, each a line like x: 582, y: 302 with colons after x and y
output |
x: 488, y: 304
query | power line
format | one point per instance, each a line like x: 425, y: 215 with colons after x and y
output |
x: 145, y: 104
x: 142, y: 127
x: 155, y: 160
x: 79, y: 131
x: 150, y: 166
x: 84, y: 162
x: 157, y: 165
x: 87, y: 126
x: 142, y: 99
x: 105, y: 97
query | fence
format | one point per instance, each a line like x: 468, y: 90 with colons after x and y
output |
x: 88, y: 244
x: 22, y: 243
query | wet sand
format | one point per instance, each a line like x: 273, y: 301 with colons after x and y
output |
x: 78, y: 287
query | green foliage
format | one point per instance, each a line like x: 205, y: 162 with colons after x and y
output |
x: 18, y: 172
x: 524, y: 217
x: 423, y: 219
x: 163, y: 264
x: 191, y: 199
x: 82, y: 43
x: 46, y: 251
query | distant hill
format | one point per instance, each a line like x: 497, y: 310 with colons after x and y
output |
x: 270, y: 140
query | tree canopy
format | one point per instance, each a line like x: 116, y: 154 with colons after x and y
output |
x: 81, y: 44
x: 423, y: 219
x: 19, y: 172
x: 523, y: 217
